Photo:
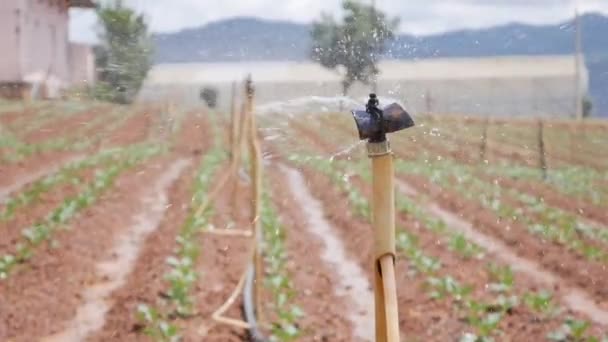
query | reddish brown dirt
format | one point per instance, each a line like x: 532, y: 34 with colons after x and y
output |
x: 517, y: 323
x: 465, y: 151
x: 58, y: 128
x: 96, y: 128
x: 561, y: 145
x: 146, y: 283
x: 578, y: 272
x: 550, y: 195
x: 473, y: 271
x: 10, y: 173
x: 25, y: 217
x: 51, y: 282
x: 135, y: 129
x: 513, y: 202
x: 10, y: 118
x: 221, y: 264
x: 58, y: 275
x: 132, y: 131
x: 558, y: 152
x: 193, y: 132
x: 419, y: 315
x: 423, y: 317
x: 554, y: 198
x: 326, y: 316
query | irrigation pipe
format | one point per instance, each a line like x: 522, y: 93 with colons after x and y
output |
x: 252, y: 296
x: 218, y: 315
x: 212, y: 195
x: 247, y: 284
x: 249, y: 307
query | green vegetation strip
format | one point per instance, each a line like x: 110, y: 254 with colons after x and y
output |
x: 575, y: 181
x: 541, y: 219
x: 43, y: 230
x: 483, y: 316
x: 66, y: 174
x: 18, y: 150
x: 181, y: 277
x: 285, y: 328
x: 49, y: 113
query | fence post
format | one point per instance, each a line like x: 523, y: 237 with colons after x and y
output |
x: 255, y: 154
x: 542, y: 162
x: 233, y: 124
x: 484, y: 141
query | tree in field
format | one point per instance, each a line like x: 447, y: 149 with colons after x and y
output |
x: 355, y: 43
x: 124, y: 56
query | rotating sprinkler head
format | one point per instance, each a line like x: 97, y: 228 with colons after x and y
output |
x: 373, y: 123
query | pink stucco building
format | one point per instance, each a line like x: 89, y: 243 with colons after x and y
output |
x: 37, y: 58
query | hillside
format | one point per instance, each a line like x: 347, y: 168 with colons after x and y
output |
x: 242, y: 39
x: 234, y: 40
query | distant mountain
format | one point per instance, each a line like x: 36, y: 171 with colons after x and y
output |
x: 235, y: 40
x: 242, y: 39
x: 512, y: 39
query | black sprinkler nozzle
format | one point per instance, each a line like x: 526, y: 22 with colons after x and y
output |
x: 374, y: 123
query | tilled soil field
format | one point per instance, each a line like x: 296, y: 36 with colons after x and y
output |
x: 133, y: 224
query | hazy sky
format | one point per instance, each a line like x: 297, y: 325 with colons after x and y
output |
x: 417, y: 16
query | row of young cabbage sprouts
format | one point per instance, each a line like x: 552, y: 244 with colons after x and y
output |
x: 181, y: 276
x: 70, y: 173
x: 483, y: 316
x: 46, y: 115
x: 277, y: 278
x: 16, y: 149
x: 159, y: 319
x: 540, y: 218
x: 438, y: 287
x: 576, y: 181
x: 558, y: 226
x: 572, y: 180
x: 59, y: 218
x: 586, y: 182
x: 44, y: 112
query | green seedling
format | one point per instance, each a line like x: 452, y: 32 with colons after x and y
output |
x: 43, y: 230
x: 459, y: 244
x: 182, y: 275
x: 541, y: 302
x: 572, y: 330
x: 483, y: 318
x: 502, y: 277
x: 157, y: 328
x: 285, y: 328
x: 444, y: 286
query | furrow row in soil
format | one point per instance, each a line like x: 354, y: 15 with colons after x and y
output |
x: 51, y: 284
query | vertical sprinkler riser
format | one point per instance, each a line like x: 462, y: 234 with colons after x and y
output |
x: 373, y: 124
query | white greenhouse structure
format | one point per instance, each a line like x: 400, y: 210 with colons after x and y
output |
x: 498, y: 86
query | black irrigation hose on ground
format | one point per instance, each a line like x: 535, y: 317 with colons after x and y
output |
x: 255, y: 335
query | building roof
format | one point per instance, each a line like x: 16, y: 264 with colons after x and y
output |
x: 426, y: 69
x: 81, y: 3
